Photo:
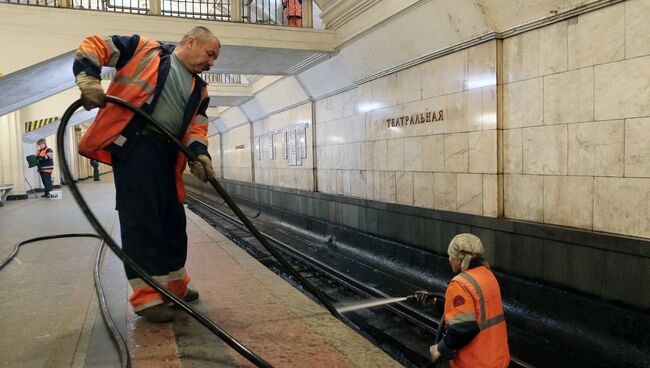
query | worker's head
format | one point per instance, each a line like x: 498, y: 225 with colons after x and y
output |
x: 463, y: 248
x: 41, y: 143
x: 198, y: 49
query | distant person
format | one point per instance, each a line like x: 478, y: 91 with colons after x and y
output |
x: 95, y: 165
x: 473, y: 311
x: 293, y: 12
x: 148, y: 168
x: 45, y: 165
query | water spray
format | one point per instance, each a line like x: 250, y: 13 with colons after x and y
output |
x: 373, y: 303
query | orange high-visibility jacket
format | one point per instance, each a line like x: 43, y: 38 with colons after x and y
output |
x: 292, y: 8
x: 142, y: 65
x: 474, y: 295
x: 45, y: 162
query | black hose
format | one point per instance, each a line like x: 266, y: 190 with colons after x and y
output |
x: 222, y: 192
x: 201, y: 318
x: 118, y: 339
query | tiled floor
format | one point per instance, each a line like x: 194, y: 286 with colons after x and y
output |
x: 50, y: 316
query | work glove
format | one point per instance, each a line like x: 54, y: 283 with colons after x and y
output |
x: 424, y: 298
x: 435, y: 354
x: 92, y: 93
x: 202, y: 168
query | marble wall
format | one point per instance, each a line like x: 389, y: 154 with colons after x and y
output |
x: 277, y: 170
x: 214, y: 149
x: 12, y: 162
x: 576, y: 112
x: 386, y: 140
x: 236, y: 153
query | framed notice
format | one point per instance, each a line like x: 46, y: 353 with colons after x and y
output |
x: 285, y: 145
x: 271, y: 148
x: 301, y: 140
x: 258, y: 149
x: 292, y: 148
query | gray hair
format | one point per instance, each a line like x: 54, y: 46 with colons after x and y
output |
x: 41, y: 141
x: 202, y: 34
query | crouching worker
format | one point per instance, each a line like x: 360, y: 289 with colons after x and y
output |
x: 476, y: 334
x: 162, y: 79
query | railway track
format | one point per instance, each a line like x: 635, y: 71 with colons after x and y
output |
x: 403, y: 330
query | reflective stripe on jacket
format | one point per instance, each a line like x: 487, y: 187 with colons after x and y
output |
x: 142, y: 65
x: 489, y: 348
x: 45, y: 163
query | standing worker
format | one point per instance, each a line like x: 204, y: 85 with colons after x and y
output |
x: 162, y: 79
x: 473, y: 311
x: 293, y: 12
x: 45, y: 165
x: 95, y: 165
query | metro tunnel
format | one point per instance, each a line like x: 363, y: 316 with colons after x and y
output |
x: 316, y: 183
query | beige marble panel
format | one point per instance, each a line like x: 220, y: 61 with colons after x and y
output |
x: 395, y: 160
x: 539, y: 52
x: 597, y: 149
x: 433, y: 153
x: 469, y: 193
x: 472, y: 119
x: 637, y: 148
x: 483, y: 152
x: 444, y: 75
x: 489, y: 107
x: 357, y: 128
x: 366, y: 154
x: 369, y: 177
x: 410, y: 84
x: 545, y: 150
x: 387, y: 186
x: 523, y: 104
x: 490, y: 195
x: 413, y: 153
x: 568, y: 200
x: 358, y: 184
x: 404, y: 188
x: 512, y: 151
x: 444, y: 191
x: 523, y: 197
x: 597, y: 37
x: 621, y: 206
x: 364, y: 99
x: 423, y: 189
x: 386, y: 90
x: 347, y: 182
x: 379, y: 155
x: 637, y: 28
x: 456, y: 152
x: 569, y: 97
x: 482, y: 65
x: 621, y: 89
x: 350, y: 102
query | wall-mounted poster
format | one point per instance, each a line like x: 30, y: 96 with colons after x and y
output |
x: 291, y: 147
x: 301, y: 137
x: 271, y: 148
x: 258, y: 149
x: 285, y: 145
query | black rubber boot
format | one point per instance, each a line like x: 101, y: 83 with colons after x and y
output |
x: 159, y: 313
x: 191, y: 295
